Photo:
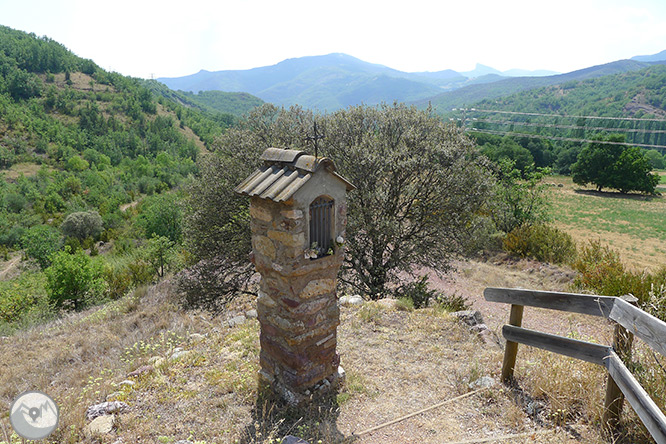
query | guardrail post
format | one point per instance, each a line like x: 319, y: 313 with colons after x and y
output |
x: 511, y: 349
x: 622, y: 341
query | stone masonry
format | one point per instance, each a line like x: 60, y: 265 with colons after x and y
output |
x: 297, y: 305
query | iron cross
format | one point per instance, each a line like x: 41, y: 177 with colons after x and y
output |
x: 315, y: 138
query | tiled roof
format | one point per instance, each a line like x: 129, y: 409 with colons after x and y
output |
x: 284, y: 172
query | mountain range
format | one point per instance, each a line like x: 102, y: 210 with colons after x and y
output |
x: 335, y: 81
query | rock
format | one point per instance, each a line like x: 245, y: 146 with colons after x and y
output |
x: 251, y: 314
x: 479, y: 328
x: 236, y: 320
x: 342, y: 375
x: 177, y: 354
x: 100, y: 426
x: 318, y: 287
x: 482, y: 382
x: 348, y: 301
x: 184, y: 441
x: 196, y: 336
x: 105, y: 408
x: 469, y: 317
x: 141, y: 371
x: 113, y: 395
x: 291, y: 439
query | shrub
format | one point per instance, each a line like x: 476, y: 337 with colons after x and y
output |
x: 541, y: 242
x: 82, y: 225
x: 40, y: 242
x: 19, y: 296
x: 601, y: 271
x: 74, y: 280
x: 417, y: 292
x: 454, y: 302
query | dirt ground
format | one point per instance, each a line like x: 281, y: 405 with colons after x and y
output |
x: 397, y: 363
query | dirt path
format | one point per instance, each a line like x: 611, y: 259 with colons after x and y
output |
x: 8, y: 268
x: 471, y: 278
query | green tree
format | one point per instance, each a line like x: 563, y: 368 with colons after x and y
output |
x: 518, y: 202
x: 161, y: 252
x: 633, y: 172
x: 161, y: 216
x: 614, y: 165
x: 656, y: 159
x: 509, y: 149
x: 419, y: 184
x: 74, y: 280
x: 40, y: 242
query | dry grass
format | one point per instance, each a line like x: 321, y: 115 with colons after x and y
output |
x: 633, y: 225
x: 397, y: 362
x: 26, y: 169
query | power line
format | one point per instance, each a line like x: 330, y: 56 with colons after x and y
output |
x: 552, y: 125
x: 565, y: 139
x: 559, y: 115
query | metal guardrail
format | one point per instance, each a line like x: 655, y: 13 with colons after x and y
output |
x: 629, y: 320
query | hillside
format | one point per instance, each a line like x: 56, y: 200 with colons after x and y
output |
x: 469, y: 95
x: 90, y: 161
x: 632, y: 94
x: 227, y: 104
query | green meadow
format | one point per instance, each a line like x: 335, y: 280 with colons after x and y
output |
x: 634, y: 225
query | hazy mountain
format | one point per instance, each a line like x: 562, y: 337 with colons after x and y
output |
x: 325, y: 82
x: 481, y: 70
x: 651, y: 58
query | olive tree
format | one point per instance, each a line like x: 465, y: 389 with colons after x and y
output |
x: 420, y: 184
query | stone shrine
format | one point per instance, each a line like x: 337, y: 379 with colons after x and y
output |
x: 298, y: 216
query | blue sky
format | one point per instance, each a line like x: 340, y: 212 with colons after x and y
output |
x: 166, y: 38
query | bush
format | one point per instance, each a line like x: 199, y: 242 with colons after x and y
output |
x: 454, y: 302
x: 82, y: 225
x: 417, y: 292
x: 40, y: 242
x: 541, y: 242
x: 21, y: 295
x: 74, y: 280
x: 601, y: 271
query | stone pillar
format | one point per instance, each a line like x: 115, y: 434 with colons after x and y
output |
x: 297, y: 305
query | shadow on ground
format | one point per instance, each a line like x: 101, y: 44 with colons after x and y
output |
x: 616, y: 194
x: 314, y: 422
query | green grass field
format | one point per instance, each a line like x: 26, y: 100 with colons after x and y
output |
x: 634, y: 225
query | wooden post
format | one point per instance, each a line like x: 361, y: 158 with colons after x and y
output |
x: 511, y: 349
x: 622, y: 341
